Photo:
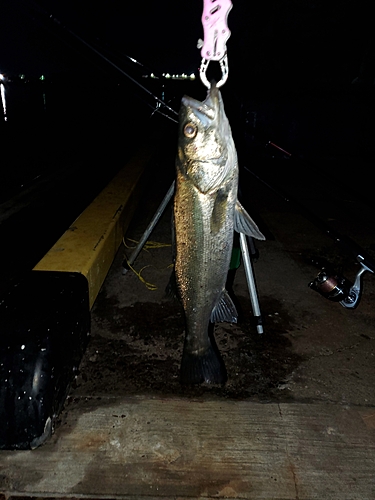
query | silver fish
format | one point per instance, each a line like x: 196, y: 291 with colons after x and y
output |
x: 206, y: 212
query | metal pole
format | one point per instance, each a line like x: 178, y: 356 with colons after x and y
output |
x: 251, y: 282
x: 150, y: 227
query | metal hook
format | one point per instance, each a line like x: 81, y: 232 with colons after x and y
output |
x: 224, y: 71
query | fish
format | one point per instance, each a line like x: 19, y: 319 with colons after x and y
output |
x: 206, y: 213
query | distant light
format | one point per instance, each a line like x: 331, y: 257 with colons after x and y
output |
x: 22, y: 76
x: 2, y: 77
x: 176, y: 76
x: 134, y: 60
x: 3, y: 99
x: 42, y: 78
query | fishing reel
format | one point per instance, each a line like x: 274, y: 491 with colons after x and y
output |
x: 337, y: 288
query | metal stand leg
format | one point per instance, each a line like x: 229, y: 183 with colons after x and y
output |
x: 251, y: 282
x: 150, y: 227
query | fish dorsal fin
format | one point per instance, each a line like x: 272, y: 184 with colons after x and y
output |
x: 224, y: 310
x: 243, y: 223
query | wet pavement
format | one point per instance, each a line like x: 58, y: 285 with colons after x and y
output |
x: 312, y: 350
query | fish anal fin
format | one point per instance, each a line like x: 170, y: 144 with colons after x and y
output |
x: 243, y: 223
x: 224, y: 310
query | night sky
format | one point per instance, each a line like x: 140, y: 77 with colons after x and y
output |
x: 158, y: 34
x: 306, y: 40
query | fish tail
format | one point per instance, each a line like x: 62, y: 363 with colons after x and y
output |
x: 207, y: 367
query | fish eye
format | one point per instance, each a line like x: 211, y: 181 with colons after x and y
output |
x: 190, y: 130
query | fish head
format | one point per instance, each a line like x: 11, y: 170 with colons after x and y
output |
x: 206, y: 151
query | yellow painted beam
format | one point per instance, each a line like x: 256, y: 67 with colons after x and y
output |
x: 91, y: 242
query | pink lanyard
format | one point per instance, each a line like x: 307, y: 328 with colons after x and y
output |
x: 216, y: 34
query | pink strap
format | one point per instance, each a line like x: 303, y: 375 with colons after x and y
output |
x: 215, y: 28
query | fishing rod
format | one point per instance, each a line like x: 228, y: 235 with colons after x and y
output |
x: 159, y: 102
x: 330, y: 284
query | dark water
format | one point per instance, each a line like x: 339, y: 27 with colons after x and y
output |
x: 52, y: 123
x: 66, y: 136
x: 328, y: 131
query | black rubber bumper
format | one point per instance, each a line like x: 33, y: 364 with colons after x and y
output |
x: 44, y: 330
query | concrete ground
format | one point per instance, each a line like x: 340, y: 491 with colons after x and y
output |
x: 296, y: 416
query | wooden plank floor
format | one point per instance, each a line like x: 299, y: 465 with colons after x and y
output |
x: 177, y: 448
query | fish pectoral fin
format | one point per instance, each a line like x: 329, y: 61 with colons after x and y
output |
x: 224, y: 310
x: 243, y: 223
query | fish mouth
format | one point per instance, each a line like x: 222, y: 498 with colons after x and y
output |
x: 207, y: 110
